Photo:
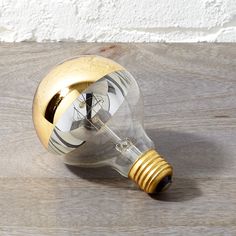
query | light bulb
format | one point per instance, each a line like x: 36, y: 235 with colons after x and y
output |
x: 89, y: 110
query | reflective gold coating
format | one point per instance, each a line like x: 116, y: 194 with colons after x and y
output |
x: 149, y: 170
x: 62, y: 85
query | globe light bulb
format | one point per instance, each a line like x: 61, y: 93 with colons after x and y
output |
x: 89, y: 110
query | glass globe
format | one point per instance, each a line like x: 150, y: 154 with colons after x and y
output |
x: 89, y: 111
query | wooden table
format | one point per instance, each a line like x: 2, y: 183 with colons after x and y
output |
x: 190, y: 113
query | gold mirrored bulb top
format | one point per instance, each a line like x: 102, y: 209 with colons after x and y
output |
x: 62, y: 85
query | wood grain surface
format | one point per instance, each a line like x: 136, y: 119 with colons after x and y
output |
x: 190, y: 113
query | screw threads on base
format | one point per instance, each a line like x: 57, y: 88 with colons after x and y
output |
x: 151, y: 172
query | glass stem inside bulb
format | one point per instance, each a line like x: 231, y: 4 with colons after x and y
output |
x: 122, y: 145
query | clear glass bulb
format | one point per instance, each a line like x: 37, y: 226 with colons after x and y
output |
x: 94, y: 117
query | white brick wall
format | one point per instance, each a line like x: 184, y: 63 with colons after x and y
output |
x: 118, y: 20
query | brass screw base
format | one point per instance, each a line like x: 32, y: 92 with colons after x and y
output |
x: 149, y: 170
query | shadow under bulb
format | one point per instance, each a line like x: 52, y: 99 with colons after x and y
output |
x: 89, y: 110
